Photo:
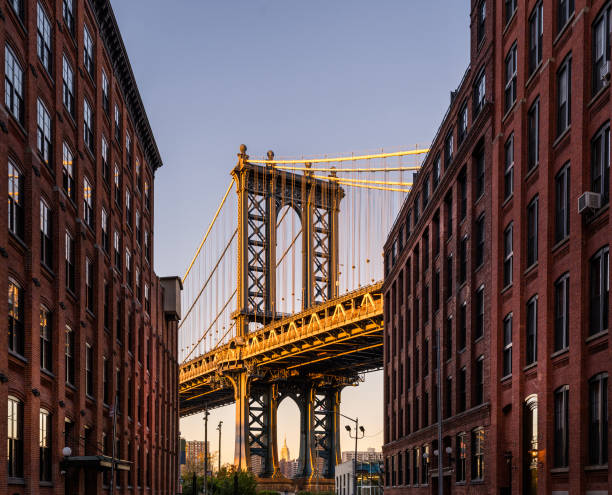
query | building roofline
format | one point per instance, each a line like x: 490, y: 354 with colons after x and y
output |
x: 111, y: 36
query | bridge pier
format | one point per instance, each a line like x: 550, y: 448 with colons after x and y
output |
x: 241, y: 384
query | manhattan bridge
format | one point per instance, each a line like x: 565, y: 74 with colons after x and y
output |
x: 283, y: 298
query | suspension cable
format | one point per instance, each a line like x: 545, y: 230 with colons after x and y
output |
x: 209, y: 229
x: 290, y: 246
x: 227, y: 246
x: 364, y: 186
x: 362, y: 181
x: 343, y: 158
x: 334, y: 169
x: 210, y: 326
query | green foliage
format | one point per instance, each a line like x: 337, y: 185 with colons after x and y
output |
x: 304, y: 492
x: 268, y: 492
x: 223, y: 483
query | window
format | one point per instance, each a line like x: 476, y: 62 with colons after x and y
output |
x: 507, y: 354
x: 425, y: 195
x: 425, y: 471
x: 88, y: 54
x: 530, y: 445
x: 462, y: 194
x: 68, y: 13
x: 479, y: 381
x: 138, y: 229
x: 107, y: 304
x: 117, y: 246
x: 69, y: 255
x: 562, y: 312
x: 45, y: 445
x: 15, y: 200
x: 89, y: 284
x: 147, y: 247
x: 88, y: 214
x: 128, y: 149
x: 435, y: 173
x: 148, y: 198
x: 509, y: 9
x: 533, y: 138
x: 105, y: 167
x: 117, y: 124
x: 68, y: 171
x: 426, y: 359
x: 482, y: 17
x: 416, y: 208
x: 564, y: 92
x: 128, y: 207
x: 449, y: 337
x: 536, y: 28
x: 68, y: 85
x: 449, y: 276
x: 88, y: 122
x: 448, y: 149
x: 436, y: 291
x: 425, y: 245
x: 462, y: 390
x: 15, y: 437
x: 480, y: 240
x: 564, y: 11
x: 463, y: 253
x: 46, y: 241
x: 600, y: 286
x: 561, y: 432
x: 479, y: 306
x: 598, y: 420
x: 510, y: 88
x: 45, y: 339
x: 147, y: 299
x: 416, y: 464
x: 461, y: 457
x: 479, y: 168
x: 462, y: 327
x: 531, y: 351
x: 532, y: 231
x: 128, y: 267
x: 105, y: 380
x: 43, y: 132
x: 105, y: 96
x: 16, y: 335
x: 479, y: 93
x: 478, y: 440
x: 69, y: 354
x: 13, y: 84
x: 43, y: 38
x: 89, y: 364
x: 601, y: 49
x: 509, y: 167
x: 117, y: 185
x: 562, y: 200
x: 600, y: 163
x: 462, y: 124
x: 104, y: 225
x: 508, y: 255
x: 17, y: 6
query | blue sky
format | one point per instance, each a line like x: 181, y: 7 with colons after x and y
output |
x: 312, y: 77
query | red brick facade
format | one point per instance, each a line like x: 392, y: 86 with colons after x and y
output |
x: 116, y: 312
x: 536, y: 361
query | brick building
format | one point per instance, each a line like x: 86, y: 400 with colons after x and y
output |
x: 488, y: 251
x: 91, y: 329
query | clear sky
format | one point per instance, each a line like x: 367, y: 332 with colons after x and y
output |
x: 299, y: 77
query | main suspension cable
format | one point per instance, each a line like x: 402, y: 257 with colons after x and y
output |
x: 342, y: 158
x: 209, y: 229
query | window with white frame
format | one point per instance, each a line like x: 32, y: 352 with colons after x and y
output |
x: 43, y: 37
x: 13, y: 84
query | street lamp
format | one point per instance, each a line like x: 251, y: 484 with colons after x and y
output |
x: 206, y: 414
x: 219, y: 428
x: 356, y: 437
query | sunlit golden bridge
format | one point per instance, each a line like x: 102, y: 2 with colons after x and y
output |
x: 283, y: 298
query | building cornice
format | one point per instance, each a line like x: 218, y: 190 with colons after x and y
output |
x: 111, y: 36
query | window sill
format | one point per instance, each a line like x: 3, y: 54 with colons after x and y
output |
x: 560, y: 243
x: 50, y: 374
x: 18, y: 356
x: 558, y: 353
x: 596, y: 336
x: 45, y: 483
x: 530, y: 268
x: 71, y: 387
x: 506, y: 288
x: 506, y: 378
x: 47, y: 269
x: 596, y: 467
x: 559, y: 470
x: 564, y: 29
x: 534, y: 74
x: 18, y: 240
x: 531, y: 172
x: 597, y: 95
x: 16, y: 481
x: 509, y: 111
x: 530, y: 366
x: 562, y: 136
x: 509, y: 23
x: 507, y: 200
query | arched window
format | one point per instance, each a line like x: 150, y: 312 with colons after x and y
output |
x: 530, y: 445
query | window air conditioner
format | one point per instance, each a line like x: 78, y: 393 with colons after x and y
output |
x: 589, y: 201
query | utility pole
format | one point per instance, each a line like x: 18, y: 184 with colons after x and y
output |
x: 356, y: 437
x: 206, y: 413
x: 219, y: 428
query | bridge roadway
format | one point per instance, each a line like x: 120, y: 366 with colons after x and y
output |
x: 332, y: 341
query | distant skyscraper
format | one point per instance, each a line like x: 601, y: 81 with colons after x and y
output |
x: 285, y: 451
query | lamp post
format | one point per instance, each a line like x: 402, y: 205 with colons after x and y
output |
x: 206, y: 414
x: 356, y: 437
x: 219, y: 428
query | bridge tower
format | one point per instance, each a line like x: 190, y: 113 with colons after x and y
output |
x: 263, y: 191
